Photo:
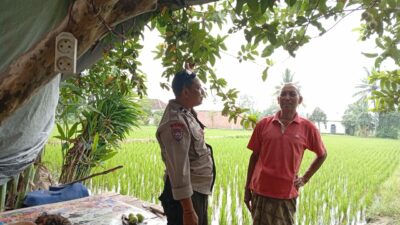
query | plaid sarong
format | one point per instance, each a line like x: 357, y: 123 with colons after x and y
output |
x: 272, y: 211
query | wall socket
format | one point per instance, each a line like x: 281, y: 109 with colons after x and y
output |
x: 66, y: 52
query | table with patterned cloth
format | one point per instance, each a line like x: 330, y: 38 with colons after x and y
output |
x: 103, y: 209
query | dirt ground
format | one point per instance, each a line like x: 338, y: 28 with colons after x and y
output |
x: 381, y: 221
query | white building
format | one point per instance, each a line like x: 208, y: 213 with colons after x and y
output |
x: 332, y: 127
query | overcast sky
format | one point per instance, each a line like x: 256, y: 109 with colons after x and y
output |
x: 328, y: 69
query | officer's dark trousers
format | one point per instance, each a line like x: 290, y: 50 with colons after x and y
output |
x: 173, y: 208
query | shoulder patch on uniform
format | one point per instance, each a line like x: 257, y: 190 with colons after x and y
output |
x: 177, y: 130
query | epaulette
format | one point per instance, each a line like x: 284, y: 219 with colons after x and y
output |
x: 174, y: 114
x: 182, y: 109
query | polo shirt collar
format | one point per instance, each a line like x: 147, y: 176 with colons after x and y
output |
x: 296, y: 117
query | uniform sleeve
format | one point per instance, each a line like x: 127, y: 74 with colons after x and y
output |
x: 315, y: 143
x: 256, y: 139
x: 176, y: 138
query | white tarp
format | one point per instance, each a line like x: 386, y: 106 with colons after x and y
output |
x: 22, y: 24
x: 23, y: 135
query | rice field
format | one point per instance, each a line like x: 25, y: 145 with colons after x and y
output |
x: 339, y: 193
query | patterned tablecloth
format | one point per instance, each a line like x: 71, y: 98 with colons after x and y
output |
x: 104, y: 209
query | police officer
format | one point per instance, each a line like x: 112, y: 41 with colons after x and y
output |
x: 190, y: 170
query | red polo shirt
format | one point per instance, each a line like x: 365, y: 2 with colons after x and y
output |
x: 280, y: 154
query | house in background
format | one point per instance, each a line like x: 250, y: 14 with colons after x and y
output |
x: 333, y: 124
x: 214, y: 119
x: 211, y: 119
x: 156, y: 105
x: 332, y: 127
x: 157, y: 108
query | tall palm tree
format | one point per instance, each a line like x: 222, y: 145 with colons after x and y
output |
x: 287, y: 77
x: 365, y: 88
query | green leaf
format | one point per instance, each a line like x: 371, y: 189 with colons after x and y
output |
x: 222, y: 82
x: 378, y: 62
x: 269, y: 62
x: 370, y: 55
x: 253, y: 119
x: 301, y: 20
x: 245, y: 123
x: 108, y: 155
x: 290, y: 2
x: 258, y: 39
x: 72, y: 131
x: 239, y: 6
x: 95, y: 142
x: 164, y: 86
x: 322, y: 6
x: 95, y: 110
x: 319, y: 26
x: 265, y: 74
x: 225, y: 111
x: 253, y: 5
x: 379, y: 43
x: 61, y: 131
x: 242, y: 122
x: 272, y: 38
x: 60, y: 137
x: 267, y: 51
x: 387, y: 86
x: 212, y: 60
x: 264, y: 5
x: 383, y: 84
x: 392, y: 3
x: 378, y: 93
x: 340, y: 4
x: 242, y: 48
x: 394, y: 86
x: 223, y: 47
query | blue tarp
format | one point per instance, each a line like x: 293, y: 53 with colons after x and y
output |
x: 56, y: 194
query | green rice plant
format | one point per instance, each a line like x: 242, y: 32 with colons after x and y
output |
x: 339, y: 193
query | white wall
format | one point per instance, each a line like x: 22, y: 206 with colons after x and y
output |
x: 339, y: 127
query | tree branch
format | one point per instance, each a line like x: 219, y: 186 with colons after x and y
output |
x: 93, y: 175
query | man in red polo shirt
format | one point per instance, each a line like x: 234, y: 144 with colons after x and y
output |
x: 278, y: 143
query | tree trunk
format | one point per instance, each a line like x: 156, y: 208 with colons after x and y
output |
x: 73, y: 158
x: 88, y: 21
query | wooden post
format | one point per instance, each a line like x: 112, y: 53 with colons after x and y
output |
x: 3, y: 197
x: 13, y: 192
x: 28, y: 176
